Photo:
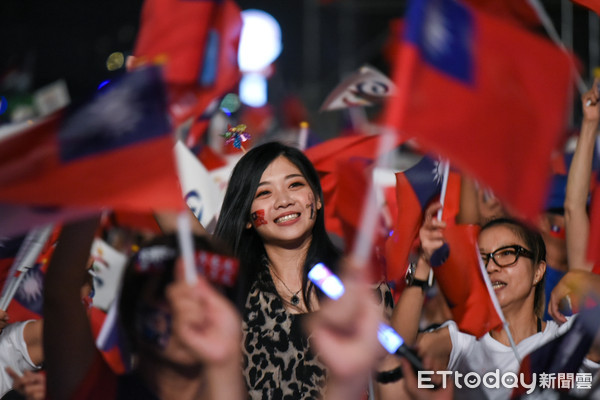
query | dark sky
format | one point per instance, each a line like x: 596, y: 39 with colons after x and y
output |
x: 71, y: 39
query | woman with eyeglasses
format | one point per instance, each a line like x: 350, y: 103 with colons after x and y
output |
x: 514, y: 256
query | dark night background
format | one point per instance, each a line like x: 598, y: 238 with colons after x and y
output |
x: 322, y: 41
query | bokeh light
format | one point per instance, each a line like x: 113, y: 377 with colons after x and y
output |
x: 260, y: 42
x: 253, y: 90
x: 115, y: 61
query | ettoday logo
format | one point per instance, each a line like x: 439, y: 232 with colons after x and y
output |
x: 495, y: 380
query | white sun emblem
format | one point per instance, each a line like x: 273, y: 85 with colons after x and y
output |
x: 31, y: 288
x: 437, y: 171
x: 437, y: 36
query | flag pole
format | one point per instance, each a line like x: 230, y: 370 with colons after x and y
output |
x: 365, y: 235
x: 184, y: 232
x: 446, y: 171
x: 25, y: 259
x: 488, y: 284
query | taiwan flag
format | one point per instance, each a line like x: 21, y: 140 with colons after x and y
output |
x: 477, y: 90
x: 116, y: 151
x: 415, y: 189
x: 197, y: 42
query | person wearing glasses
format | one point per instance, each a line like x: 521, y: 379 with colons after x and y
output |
x: 515, y: 258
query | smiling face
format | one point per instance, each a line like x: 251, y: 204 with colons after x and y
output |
x: 284, y: 208
x: 515, y: 284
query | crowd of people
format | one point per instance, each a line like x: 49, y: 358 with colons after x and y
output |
x: 275, y: 335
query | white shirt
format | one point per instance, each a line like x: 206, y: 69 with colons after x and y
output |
x: 487, y: 355
x: 14, y: 354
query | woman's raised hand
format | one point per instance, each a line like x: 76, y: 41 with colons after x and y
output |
x: 431, y: 233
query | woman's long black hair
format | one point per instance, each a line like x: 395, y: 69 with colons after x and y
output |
x: 246, y: 244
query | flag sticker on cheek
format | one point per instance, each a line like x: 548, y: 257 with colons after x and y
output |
x: 258, y: 218
x: 311, y: 206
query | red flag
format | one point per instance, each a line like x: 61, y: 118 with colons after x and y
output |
x: 353, y: 181
x: 593, y: 248
x: 116, y: 151
x: 593, y: 5
x: 198, y: 43
x: 415, y: 188
x: 514, y: 10
x: 478, y: 90
x: 462, y: 284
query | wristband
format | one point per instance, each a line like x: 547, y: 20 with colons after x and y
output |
x: 390, y: 376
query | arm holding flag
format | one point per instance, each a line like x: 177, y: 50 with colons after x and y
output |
x: 68, y: 342
x: 577, y: 223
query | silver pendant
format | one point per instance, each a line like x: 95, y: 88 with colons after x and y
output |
x: 295, y: 300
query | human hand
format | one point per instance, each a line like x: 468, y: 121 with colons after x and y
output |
x: 32, y: 385
x: 589, y: 101
x: 573, y: 287
x: 204, y: 321
x: 3, y: 320
x: 431, y: 232
x: 344, y: 332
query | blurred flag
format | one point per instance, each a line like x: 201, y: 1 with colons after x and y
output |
x: 328, y: 155
x: 562, y: 356
x: 519, y: 11
x: 197, y: 41
x: 115, y: 151
x: 502, y: 109
x: 463, y: 285
x: 593, y: 5
x: 593, y: 248
x: 9, y: 247
x: 108, y: 266
x: 415, y: 189
x: 366, y: 87
x: 200, y: 191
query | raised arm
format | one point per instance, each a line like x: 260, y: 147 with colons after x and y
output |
x: 209, y: 326
x: 68, y: 342
x: 577, y: 223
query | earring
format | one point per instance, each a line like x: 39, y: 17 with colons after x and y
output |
x: 248, y: 225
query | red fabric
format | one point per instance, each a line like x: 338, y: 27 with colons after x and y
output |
x: 139, y: 177
x: 462, y: 284
x: 353, y: 182
x: 593, y: 248
x: 515, y: 10
x: 502, y: 126
x: 399, y: 246
x: 593, y: 5
x: 179, y: 34
x: 137, y: 220
x: 113, y: 357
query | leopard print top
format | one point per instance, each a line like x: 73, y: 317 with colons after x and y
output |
x: 278, y: 361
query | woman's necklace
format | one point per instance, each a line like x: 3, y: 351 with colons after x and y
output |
x: 295, y: 300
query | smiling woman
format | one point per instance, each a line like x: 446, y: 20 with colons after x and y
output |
x: 273, y: 217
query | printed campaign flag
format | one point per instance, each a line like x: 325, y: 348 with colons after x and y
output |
x: 200, y: 191
x: 115, y: 151
x: 366, y: 87
x: 477, y: 90
x: 197, y: 42
x: 108, y: 266
x: 415, y: 189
